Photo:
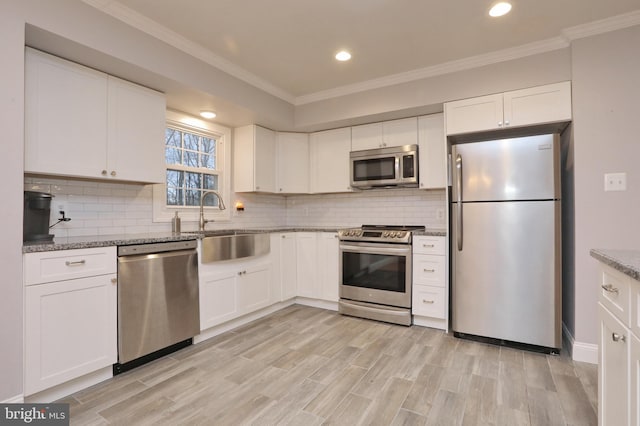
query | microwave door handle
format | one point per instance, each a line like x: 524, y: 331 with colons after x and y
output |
x: 459, y: 200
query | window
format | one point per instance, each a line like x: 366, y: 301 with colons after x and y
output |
x: 191, y: 167
x: 196, y: 159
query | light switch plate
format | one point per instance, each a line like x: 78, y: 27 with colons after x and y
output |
x: 615, y: 182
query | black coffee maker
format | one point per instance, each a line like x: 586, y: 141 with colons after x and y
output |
x: 35, y: 221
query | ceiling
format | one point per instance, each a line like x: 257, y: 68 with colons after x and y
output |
x: 287, y: 46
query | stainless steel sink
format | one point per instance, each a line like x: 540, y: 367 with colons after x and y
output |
x: 235, y: 245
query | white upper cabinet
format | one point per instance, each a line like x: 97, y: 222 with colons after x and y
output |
x: 293, y: 163
x: 330, y: 160
x: 432, y: 151
x: 84, y: 123
x: 136, y: 130
x: 254, y: 159
x: 385, y: 134
x: 536, y: 105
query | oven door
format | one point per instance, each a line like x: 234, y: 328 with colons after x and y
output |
x: 376, y: 273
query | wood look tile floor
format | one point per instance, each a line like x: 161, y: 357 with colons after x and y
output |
x: 308, y: 366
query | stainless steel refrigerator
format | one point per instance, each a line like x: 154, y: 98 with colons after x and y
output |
x: 506, y: 241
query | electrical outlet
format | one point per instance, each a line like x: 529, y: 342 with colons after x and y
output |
x: 439, y: 214
x: 615, y: 182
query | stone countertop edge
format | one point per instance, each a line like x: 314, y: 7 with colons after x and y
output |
x: 625, y: 261
x: 92, y: 241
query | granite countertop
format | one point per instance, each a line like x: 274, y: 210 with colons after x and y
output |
x: 90, y: 241
x: 431, y: 232
x: 625, y: 261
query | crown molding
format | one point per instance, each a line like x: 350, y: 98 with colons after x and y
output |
x: 144, y: 24
x: 504, y: 55
x: 613, y: 23
x: 148, y: 26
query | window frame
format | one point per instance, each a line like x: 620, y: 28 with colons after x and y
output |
x: 164, y: 213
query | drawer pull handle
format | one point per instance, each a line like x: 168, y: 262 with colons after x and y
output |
x: 428, y: 245
x: 618, y: 337
x: 428, y: 301
x: 610, y: 288
x: 76, y: 263
x: 429, y: 270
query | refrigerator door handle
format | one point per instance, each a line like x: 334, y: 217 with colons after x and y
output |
x: 459, y: 199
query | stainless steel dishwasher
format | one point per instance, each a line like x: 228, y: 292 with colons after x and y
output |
x: 158, y: 303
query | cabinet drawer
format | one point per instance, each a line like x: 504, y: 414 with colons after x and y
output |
x: 428, y: 301
x: 614, y: 293
x: 429, y: 245
x: 68, y: 264
x: 429, y: 270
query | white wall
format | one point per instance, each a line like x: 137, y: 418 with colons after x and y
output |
x: 606, y: 90
x: 11, y: 123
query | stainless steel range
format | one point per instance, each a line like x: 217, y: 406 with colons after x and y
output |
x: 375, y: 272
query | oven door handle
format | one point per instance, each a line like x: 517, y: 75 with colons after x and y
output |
x: 401, y: 251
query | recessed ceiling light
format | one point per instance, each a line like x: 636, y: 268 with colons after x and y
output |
x: 207, y: 114
x: 343, y: 55
x: 500, y: 9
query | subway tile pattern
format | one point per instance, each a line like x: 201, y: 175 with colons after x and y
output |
x: 107, y: 208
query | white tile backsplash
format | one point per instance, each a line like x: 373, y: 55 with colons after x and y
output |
x: 104, y: 208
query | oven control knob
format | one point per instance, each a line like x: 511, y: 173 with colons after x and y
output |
x: 393, y: 234
x: 385, y: 234
x: 402, y: 234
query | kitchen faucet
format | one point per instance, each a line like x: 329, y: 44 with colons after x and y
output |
x: 221, y: 206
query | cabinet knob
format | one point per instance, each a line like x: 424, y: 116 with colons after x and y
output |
x: 506, y: 122
x: 609, y: 288
x: 499, y: 123
x: 114, y: 281
x: 283, y: 236
x: 280, y: 189
x: 257, y: 187
x: 618, y: 337
x: 113, y: 172
x: 104, y: 173
x: 428, y: 301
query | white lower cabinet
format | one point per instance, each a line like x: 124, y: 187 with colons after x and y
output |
x: 328, y: 262
x: 618, y: 349
x: 306, y: 264
x: 233, y: 288
x: 288, y: 265
x: 430, y: 295
x: 70, y: 326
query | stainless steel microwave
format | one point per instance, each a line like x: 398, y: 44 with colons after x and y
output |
x: 384, y: 167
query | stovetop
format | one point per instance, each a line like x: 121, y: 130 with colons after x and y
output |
x: 399, y: 234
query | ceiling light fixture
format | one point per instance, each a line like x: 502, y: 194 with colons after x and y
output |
x: 500, y: 9
x: 343, y: 55
x: 207, y: 114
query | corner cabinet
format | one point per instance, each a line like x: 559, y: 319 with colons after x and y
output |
x: 618, y: 349
x: 329, y: 157
x: 83, y: 123
x: 70, y: 315
x: 254, y: 159
x: 535, y: 105
x: 430, y: 292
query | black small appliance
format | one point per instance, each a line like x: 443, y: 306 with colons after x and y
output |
x: 35, y: 221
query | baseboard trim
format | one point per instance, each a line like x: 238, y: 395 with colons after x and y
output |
x: 580, y: 351
x: 317, y: 303
x: 18, y: 399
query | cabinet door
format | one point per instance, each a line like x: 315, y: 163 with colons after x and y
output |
x: 429, y: 301
x: 613, y: 370
x: 254, y: 159
x: 218, y: 297
x: 400, y: 132
x: 473, y: 115
x: 288, y: 265
x: 432, y: 153
x: 327, y: 265
x: 135, y: 148
x: 306, y: 258
x: 276, y: 273
x: 330, y: 160
x: 538, y: 105
x: 366, y: 136
x: 293, y: 163
x: 70, y: 330
x: 65, y: 117
x: 634, y: 365
x: 254, y: 284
